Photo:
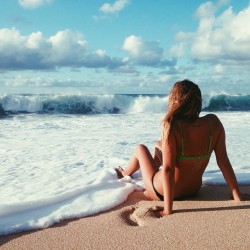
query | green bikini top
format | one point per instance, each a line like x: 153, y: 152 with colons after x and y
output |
x: 207, y: 155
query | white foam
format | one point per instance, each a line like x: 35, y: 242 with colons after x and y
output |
x: 21, y: 103
x: 62, y: 166
x: 148, y: 104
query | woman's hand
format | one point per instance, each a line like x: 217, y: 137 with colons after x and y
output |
x: 240, y: 197
x: 237, y: 196
x: 158, y: 211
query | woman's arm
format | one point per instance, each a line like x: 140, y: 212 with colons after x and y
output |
x: 225, y: 165
x: 168, y: 171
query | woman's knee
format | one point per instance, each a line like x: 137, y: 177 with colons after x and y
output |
x: 141, y: 148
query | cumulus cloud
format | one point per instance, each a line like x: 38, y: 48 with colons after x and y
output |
x: 108, y: 9
x: 116, y: 7
x: 64, y: 49
x: 177, y: 50
x: 223, y: 37
x: 145, y: 53
x: 32, y: 4
x: 35, y: 51
x: 69, y: 48
x: 208, y: 8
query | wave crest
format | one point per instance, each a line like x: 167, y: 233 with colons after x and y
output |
x: 110, y: 104
x: 224, y: 102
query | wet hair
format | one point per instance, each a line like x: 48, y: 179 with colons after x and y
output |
x: 185, y: 103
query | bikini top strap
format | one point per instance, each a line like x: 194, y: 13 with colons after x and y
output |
x: 182, y: 139
x: 211, y: 135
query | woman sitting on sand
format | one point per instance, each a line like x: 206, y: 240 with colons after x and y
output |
x: 184, y: 150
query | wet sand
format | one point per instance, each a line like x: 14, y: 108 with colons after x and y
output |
x: 210, y: 220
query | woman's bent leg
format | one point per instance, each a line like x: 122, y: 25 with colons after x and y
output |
x: 140, y: 158
x: 143, y: 159
x: 146, y: 162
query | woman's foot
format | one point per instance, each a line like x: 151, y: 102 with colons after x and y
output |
x: 119, y: 170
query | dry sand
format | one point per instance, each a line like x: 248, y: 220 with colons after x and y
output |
x: 208, y: 221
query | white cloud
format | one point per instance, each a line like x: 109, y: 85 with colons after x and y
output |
x: 177, y: 50
x: 69, y: 48
x: 224, y: 37
x: 101, y: 52
x: 32, y: 4
x: 145, y: 53
x: 206, y: 10
x: 118, y: 5
x: 64, y: 49
x: 219, y: 69
x: 35, y: 51
x: 183, y: 36
x: 34, y: 41
x: 209, y: 8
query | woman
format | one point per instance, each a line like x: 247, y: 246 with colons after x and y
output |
x: 184, y: 150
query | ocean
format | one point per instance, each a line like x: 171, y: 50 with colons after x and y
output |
x: 58, y: 152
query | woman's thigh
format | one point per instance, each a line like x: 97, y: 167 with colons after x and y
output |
x: 148, y: 168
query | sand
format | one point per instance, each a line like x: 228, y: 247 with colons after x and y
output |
x: 210, y: 220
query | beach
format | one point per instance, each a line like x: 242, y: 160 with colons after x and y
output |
x: 57, y: 165
x: 210, y: 220
x: 85, y: 85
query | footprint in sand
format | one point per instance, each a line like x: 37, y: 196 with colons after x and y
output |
x: 140, y: 216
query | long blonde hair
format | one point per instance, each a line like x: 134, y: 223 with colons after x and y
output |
x: 185, y: 103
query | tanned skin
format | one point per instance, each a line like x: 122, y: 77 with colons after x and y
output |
x: 182, y: 178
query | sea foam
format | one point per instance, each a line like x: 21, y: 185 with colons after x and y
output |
x: 59, y: 166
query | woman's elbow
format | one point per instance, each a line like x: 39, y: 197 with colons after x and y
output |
x: 168, y: 170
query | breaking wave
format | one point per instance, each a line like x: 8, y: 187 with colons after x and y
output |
x: 110, y: 104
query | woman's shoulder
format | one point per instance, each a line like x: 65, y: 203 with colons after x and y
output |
x: 211, y: 116
x: 216, y: 122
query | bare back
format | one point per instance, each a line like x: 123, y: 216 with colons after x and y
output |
x: 194, y: 143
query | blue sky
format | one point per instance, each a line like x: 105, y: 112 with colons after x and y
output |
x: 123, y: 46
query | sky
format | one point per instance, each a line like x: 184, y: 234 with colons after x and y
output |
x: 123, y: 46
